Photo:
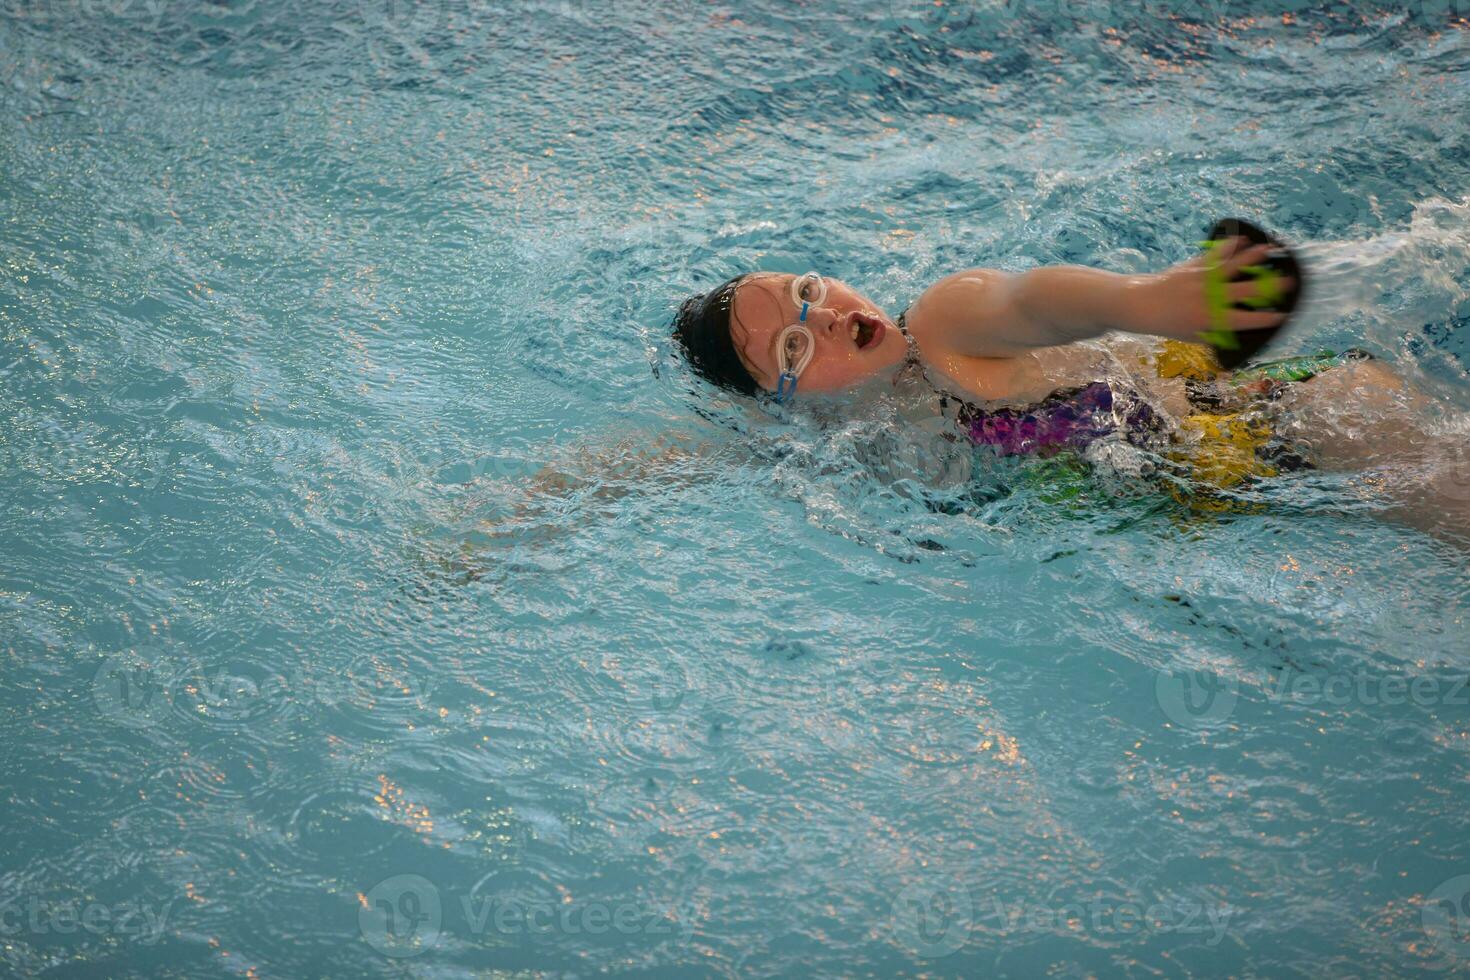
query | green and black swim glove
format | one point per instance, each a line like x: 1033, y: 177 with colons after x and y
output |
x: 1235, y: 348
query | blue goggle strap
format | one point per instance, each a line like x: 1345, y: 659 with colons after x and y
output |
x: 786, y: 384
x: 785, y: 387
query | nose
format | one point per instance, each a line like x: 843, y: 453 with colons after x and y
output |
x: 822, y: 319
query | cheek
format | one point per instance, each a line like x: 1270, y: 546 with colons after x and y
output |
x: 835, y: 367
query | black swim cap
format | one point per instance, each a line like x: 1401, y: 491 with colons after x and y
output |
x: 702, y: 327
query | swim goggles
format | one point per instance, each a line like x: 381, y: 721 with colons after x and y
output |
x: 796, y: 344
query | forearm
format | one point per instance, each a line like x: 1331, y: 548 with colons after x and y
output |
x: 986, y: 313
x: 1066, y: 303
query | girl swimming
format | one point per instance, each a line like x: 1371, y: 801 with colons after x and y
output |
x: 1003, y: 357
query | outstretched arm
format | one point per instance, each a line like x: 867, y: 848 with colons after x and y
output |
x: 987, y: 313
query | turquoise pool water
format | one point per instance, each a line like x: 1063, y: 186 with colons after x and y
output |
x: 296, y: 299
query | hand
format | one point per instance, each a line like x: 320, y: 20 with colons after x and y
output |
x: 1175, y: 303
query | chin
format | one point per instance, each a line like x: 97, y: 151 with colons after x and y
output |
x: 892, y: 350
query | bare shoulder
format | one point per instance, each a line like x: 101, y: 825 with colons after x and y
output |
x: 951, y: 303
x: 947, y: 307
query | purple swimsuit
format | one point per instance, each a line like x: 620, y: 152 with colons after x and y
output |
x: 1066, y: 420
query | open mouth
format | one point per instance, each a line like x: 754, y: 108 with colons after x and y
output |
x: 866, y: 331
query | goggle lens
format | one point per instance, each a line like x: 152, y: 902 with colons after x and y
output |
x: 810, y: 289
x: 797, y: 343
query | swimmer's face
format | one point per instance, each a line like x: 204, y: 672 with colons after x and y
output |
x: 854, y: 339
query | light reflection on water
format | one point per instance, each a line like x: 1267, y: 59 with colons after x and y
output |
x: 304, y: 680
